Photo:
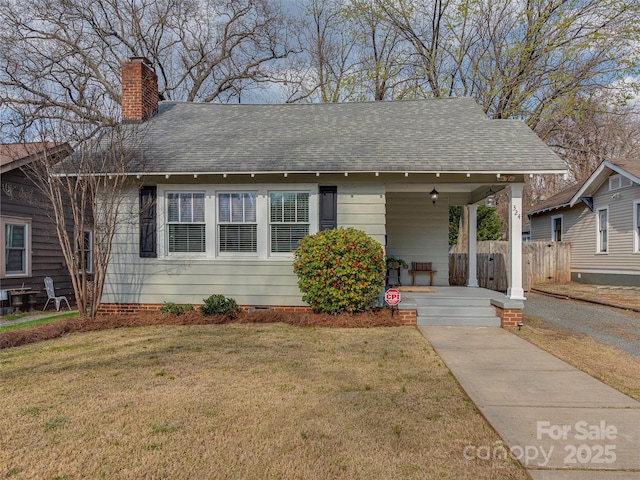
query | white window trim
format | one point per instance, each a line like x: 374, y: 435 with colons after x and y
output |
x: 211, y: 219
x: 29, y: 253
x: 598, y: 246
x: 636, y: 224
x: 553, y: 231
x: 217, y: 223
x: 292, y: 190
x: 163, y: 231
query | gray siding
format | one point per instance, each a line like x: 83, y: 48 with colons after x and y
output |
x: 362, y: 206
x: 47, y: 259
x: 417, y: 231
x: 579, y: 225
x: 132, y: 279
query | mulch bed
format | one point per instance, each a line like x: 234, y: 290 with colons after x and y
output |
x: 47, y: 331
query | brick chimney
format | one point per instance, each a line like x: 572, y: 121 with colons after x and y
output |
x: 139, y: 90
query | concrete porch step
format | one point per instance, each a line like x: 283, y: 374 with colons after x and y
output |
x: 453, y: 301
x: 457, y: 311
x: 458, y: 321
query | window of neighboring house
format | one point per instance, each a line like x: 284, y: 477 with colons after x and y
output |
x: 556, y: 228
x: 636, y: 226
x: 16, y: 247
x: 616, y: 182
x: 237, y: 225
x: 85, y: 251
x: 289, y: 219
x: 186, y: 222
x: 602, y: 216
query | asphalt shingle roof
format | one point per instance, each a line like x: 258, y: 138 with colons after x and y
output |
x: 558, y: 200
x: 436, y: 135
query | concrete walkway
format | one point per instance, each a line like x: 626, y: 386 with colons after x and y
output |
x: 559, y: 422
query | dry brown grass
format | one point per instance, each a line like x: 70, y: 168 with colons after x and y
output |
x: 238, y: 401
x: 608, y: 364
x: 622, y: 297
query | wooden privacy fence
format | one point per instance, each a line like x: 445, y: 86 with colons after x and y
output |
x: 542, y: 262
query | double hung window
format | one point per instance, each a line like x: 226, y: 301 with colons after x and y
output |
x: 289, y: 219
x: 636, y: 226
x: 237, y: 223
x: 85, y: 251
x: 16, y: 246
x: 556, y: 228
x: 602, y: 216
x: 186, y: 222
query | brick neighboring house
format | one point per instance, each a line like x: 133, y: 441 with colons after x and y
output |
x: 28, y: 240
x: 601, y: 219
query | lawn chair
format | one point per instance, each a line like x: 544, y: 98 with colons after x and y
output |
x: 51, y: 293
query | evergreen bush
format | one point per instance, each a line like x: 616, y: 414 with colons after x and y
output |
x: 175, y: 309
x: 340, y: 270
x: 219, y: 305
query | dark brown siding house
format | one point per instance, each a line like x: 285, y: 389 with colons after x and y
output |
x: 28, y: 242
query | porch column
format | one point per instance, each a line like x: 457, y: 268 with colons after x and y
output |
x: 515, y: 291
x: 472, y: 267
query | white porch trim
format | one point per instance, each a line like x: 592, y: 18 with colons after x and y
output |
x: 515, y: 290
x: 472, y: 269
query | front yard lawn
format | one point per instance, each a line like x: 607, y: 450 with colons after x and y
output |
x: 238, y: 401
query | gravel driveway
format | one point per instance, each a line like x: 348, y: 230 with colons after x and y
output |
x: 611, y: 326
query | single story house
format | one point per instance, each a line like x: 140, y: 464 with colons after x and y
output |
x: 601, y: 219
x: 28, y: 240
x: 235, y: 186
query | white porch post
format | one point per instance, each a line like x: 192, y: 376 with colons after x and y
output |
x: 472, y: 268
x: 515, y: 290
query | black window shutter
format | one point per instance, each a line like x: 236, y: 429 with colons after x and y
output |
x: 328, y: 207
x: 148, y: 227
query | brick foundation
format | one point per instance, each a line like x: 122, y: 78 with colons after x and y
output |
x: 509, y: 317
x: 278, y: 308
x: 126, y: 308
x: 409, y: 317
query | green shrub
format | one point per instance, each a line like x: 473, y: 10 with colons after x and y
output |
x: 175, y: 309
x: 340, y: 270
x: 219, y: 305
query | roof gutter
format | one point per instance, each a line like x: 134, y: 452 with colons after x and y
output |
x: 500, y: 177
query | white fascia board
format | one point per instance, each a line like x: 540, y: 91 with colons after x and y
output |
x: 596, y: 178
x: 624, y: 173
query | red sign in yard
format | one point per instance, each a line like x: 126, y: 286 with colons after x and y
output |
x: 392, y: 297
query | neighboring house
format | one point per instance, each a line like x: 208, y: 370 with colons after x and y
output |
x: 601, y: 219
x: 526, y: 232
x: 28, y: 240
x: 235, y: 187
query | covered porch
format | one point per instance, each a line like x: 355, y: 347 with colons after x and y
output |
x: 417, y: 225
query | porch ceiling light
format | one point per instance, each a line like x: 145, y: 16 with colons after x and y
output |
x: 490, y: 199
x: 434, y: 195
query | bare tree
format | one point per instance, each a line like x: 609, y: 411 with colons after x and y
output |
x: 383, y: 60
x: 84, y: 198
x: 598, y: 131
x: 518, y: 59
x: 62, y: 57
x: 328, y: 61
